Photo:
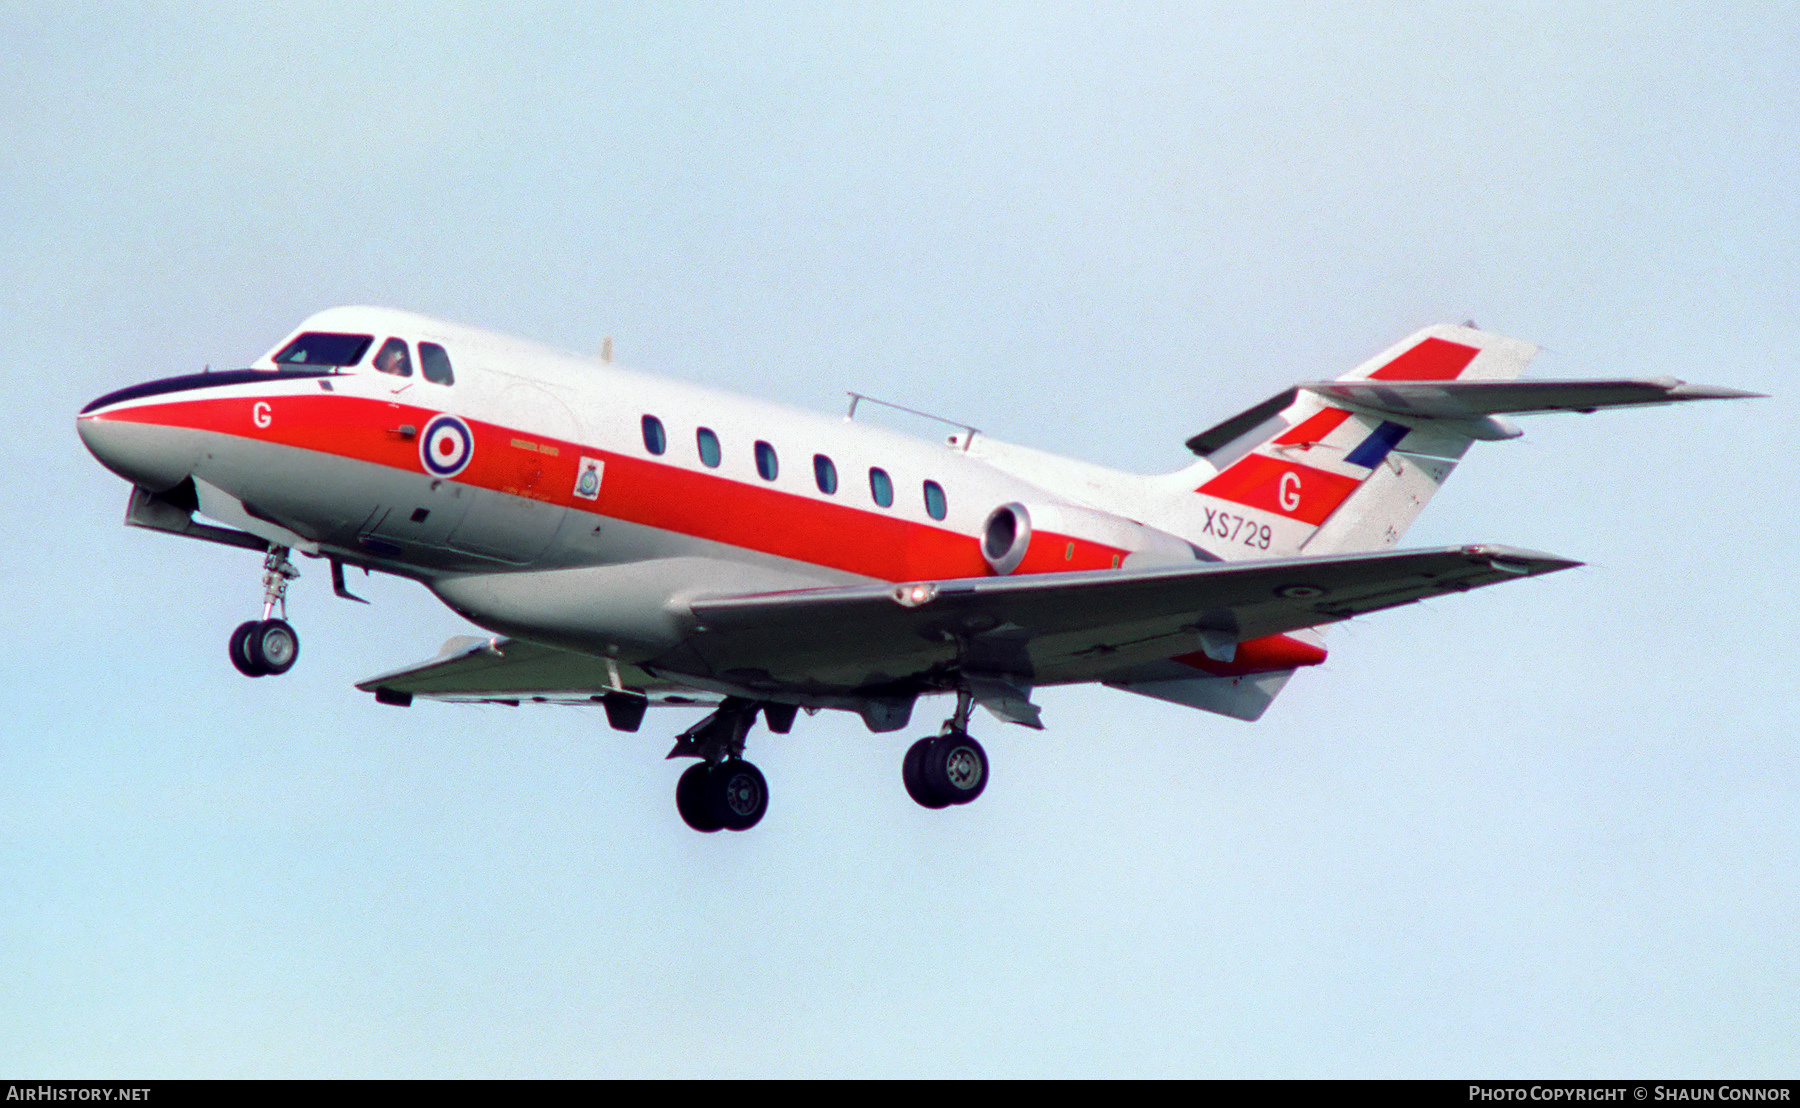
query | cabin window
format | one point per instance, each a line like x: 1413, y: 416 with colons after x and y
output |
x: 767, y: 465
x: 324, y: 348
x: 935, y: 507
x: 394, y: 359
x: 825, y: 474
x: 435, y: 364
x: 655, y: 441
x: 881, y: 487
x: 709, y: 447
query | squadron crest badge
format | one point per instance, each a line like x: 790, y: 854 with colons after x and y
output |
x: 587, y: 481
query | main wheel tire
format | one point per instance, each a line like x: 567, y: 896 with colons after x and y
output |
x: 240, y: 650
x: 956, y: 768
x: 737, y: 794
x: 912, y: 771
x: 691, y: 799
x: 273, y: 647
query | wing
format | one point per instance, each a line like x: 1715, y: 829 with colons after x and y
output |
x: 849, y: 647
x: 1061, y: 627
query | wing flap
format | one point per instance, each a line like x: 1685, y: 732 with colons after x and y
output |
x: 1245, y: 698
x: 505, y: 670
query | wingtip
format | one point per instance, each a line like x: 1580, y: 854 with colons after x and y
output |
x: 1681, y: 390
x: 1513, y: 559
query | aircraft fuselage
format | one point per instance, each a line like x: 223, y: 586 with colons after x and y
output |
x: 533, y: 463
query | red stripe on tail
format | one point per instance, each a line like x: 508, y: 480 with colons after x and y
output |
x: 1431, y: 360
x: 1283, y: 487
x: 1314, y: 428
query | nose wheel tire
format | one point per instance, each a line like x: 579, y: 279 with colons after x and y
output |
x: 731, y: 796
x: 273, y: 646
x: 945, y: 770
x: 264, y: 648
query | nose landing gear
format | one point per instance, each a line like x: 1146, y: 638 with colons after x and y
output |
x: 269, y: 646
x: 264, y: 648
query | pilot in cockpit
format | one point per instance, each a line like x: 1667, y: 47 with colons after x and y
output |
x: 393, y: 359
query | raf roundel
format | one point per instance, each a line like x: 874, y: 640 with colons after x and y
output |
x: 446, y: 446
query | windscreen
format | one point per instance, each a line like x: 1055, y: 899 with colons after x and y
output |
x: 324, y: 348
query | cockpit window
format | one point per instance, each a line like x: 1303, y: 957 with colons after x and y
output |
x: 324, y: 348
x: 435, y: 364
x: 394, y: 359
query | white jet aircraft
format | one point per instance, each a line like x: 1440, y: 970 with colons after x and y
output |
x: 635, y: 541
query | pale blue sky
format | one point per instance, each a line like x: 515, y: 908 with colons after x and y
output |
x: 1546, y: 829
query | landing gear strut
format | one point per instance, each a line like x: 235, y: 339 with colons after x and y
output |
x: 949, y: 767
x: 722, y: 791
x: 269, y: 646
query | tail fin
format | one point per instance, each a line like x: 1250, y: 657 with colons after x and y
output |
x: 1347, y: 465
x: 1305, y: 473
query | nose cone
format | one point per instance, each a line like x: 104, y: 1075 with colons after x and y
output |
x: 147, y: 454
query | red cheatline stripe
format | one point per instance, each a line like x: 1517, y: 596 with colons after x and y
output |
x: 636, y: 490
x: 1283, y: 487
x: 1431, y: 360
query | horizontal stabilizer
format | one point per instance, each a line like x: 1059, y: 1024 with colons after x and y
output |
x: 1437, y: 354
x: 1466, y: 400
x: 1478, y: 399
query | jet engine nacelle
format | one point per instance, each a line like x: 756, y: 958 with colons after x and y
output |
x: 1047, y: 537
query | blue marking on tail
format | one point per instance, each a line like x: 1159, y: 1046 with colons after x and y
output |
x: 1376, y: 446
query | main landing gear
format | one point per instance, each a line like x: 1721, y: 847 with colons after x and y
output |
x: 949, y: 767
x: 722, y: 792
x: 730, y: 796
x: 269, y: 646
